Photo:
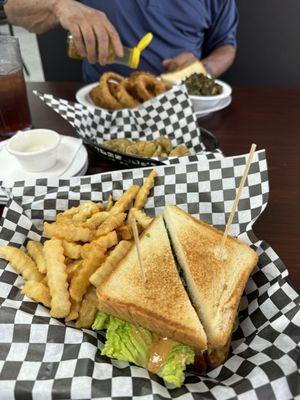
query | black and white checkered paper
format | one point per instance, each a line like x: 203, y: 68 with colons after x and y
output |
x: 42, y: 358
x: 170, y: 114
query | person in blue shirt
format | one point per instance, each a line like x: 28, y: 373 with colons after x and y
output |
x: 184, y: 30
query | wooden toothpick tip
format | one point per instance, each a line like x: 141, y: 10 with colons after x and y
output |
x: 138, y: 247
x: 236, y: 200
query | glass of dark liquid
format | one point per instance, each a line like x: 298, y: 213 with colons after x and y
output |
x: 14, y: 108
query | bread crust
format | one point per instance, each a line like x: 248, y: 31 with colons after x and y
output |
x: 152, y: 321
x: 161, y: 304
x: 215, y: 285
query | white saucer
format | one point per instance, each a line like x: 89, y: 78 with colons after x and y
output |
x: 76, y: 164
x: 83, y: 95
x: 220, y: 106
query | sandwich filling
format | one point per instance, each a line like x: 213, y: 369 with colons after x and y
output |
x: 127, y: 342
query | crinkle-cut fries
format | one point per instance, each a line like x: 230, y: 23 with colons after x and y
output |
x: 85, y: 244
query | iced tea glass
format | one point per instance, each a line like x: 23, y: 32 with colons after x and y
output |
x: 14, y: 108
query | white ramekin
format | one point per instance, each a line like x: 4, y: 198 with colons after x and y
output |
x: 35, y: 149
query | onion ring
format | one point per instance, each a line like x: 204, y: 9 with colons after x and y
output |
x: 146, y: 86
x: 115, y: 92
x: 124, y: 96
x: 105, y: 95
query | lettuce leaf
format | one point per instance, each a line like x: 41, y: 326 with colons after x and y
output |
x: 172, y: 371
x: 127, y: 342
x: 101, y: 321
x: 235, y: 324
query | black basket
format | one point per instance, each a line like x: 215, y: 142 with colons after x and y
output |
x: 206, y: 139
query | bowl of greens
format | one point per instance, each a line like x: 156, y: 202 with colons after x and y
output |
x: 206, y: 92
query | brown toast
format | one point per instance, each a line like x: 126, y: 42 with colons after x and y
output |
x: 215, y: 285
x: 161, y: 304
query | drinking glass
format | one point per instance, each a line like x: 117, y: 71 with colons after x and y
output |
x: 14, y: 108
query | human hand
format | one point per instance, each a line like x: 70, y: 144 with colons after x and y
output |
x: 92, y: 32
x: 180, y: 61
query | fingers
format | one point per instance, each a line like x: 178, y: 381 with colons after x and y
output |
x: 184, y: 63
x: 167, y: 62
x: 89, y: 42
x: 178, y: 62
x: 170, y: 65
x: 78, y: 40
x: 115, y: 39
x: 92, y: 31
x: 99, y: 38
x: 102, y: 44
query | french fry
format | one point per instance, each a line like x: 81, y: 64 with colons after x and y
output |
x: 69, y: 232
x: 45, y: 281
x: 80, y: 280
x: 83, y: 208
x: 68, y: 260
x: 110, y: 224
x: 123, y: 203
x: 129, y: 216
x: 143, y: 193
x: 72, y: 268
x: 85, y: 211
x: 71, y: 249
x: 63, y: 273
x: 22, y: 263
x: 67, y: 214
x: 124, y: 232
x: 38, y: 292
x: 74, y: 311
x: 88, y: 309
x: 106, y: 242
x: 96, y: 220
x: 57, y: 278
x: 142, y: 219
x: 35, y: 250
x: 110, y: 263
x: 110, y: 203
x: 158, y: 151
x: 101, y: 206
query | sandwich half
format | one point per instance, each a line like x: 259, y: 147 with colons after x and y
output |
x: 215, y: 284
x: 156, y: 315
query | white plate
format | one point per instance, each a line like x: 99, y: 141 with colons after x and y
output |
x: 77, y: 167
x: 83, y: 95
x: 220, y: 106
x: 208, y: 103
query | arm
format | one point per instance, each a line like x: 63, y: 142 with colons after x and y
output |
x: 33, y: 15
x: 220, y: 59
x: 90, y: 28
x: 219, y: 47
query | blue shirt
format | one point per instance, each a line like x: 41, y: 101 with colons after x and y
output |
x: 198, y: 26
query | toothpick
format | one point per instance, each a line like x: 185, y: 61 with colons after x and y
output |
x: 138, y: 247
x: 237, y: 198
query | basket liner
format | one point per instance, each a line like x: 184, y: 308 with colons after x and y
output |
x: 41, y: 357
x: 169, y: 114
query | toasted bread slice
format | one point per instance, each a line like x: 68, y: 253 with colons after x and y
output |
x: 215, y: 285
x: 171, y: 78
x: 160, y: 304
